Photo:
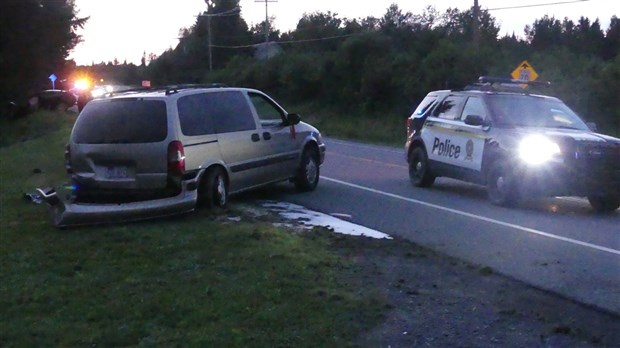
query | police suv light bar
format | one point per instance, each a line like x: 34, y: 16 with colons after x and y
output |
x: 505, y: 80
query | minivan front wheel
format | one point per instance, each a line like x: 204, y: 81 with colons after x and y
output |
x: 213, y: 189
x: 307, y: 177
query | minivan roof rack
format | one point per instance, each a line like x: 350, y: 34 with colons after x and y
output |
x: 169, y: 89
x: 175, y: 88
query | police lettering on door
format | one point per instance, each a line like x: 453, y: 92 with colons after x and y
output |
x: 446, y: 148
x: 460, y: 150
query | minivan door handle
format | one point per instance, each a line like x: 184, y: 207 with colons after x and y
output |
x: 255, y: 137
x: 267, y: 136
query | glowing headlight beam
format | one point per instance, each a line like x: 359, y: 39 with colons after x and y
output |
x: 537, y: 149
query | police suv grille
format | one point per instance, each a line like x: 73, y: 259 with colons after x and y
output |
x: 598, y: 157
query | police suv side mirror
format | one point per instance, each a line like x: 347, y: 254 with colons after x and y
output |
x: 475, y: 120
x: 593, y: 127
x: 292, y: 119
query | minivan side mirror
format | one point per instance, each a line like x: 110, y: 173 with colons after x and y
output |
x: 475, y: 120
x: 593, y: 127
x: 292, y: 119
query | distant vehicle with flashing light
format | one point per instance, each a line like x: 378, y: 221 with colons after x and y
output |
x: 56, y: 99
x: 518, y: 144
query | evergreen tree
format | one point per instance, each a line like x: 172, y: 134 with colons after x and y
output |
x: 35, y: 38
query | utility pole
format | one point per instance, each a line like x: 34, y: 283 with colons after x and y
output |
x: 209, y: 43
x: 266, y: 23
x: 476, y: 25
x: 231, y: 12
x: 209, y: 35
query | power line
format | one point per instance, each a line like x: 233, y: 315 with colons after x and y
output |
x: 536, y: 5
x: 290, y: 41
x: 318, y: 39
x: 232, y: 12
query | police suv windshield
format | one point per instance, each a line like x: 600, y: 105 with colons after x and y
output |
x: 531, y: 111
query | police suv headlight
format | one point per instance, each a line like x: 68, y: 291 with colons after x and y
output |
x: 538, y: 149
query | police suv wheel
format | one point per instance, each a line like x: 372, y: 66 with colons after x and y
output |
x: 603, y: 203
x: 501, y: 185
x: 419, y: 173
x: 213, y: 190
x: 308, y: 172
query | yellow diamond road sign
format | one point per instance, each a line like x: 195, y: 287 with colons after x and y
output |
x: 524, y: 72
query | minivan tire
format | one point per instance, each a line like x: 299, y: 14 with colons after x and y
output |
x: 213, y: 190
x: 308, y: 172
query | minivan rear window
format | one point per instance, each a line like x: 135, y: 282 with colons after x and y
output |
x: 122, y: 121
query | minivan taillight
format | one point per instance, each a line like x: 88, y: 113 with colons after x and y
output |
x: 176, y: 158
x: 68, y: 167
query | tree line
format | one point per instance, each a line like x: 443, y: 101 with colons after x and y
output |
x: 369, y: 67
x: 382, y: 66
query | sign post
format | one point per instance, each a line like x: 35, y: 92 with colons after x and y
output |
x: 53, y: 78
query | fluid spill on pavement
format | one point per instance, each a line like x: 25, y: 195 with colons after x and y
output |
x: 310, y: 218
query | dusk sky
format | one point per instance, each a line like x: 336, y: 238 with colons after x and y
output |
x: 124, y: 29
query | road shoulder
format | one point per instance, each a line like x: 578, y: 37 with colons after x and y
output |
x: 436, y: 300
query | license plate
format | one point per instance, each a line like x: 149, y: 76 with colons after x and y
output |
x: 117, y: 173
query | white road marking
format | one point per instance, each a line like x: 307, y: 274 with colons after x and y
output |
x: 478, y: 217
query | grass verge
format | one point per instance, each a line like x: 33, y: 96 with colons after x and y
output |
x: 379, y: 128
x: 199, y: 280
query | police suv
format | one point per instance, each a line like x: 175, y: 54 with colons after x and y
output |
x: 518, y: 144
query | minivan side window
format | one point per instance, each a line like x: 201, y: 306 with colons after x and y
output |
x: 268, y: 114
x: 229, y: 111
x: 193, y: 115
x: 449, y: 108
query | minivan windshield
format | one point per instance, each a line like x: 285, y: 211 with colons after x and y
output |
x: 121, y: 121
x: 533, y: 111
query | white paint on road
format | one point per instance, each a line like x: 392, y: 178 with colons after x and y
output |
x: 307, y: 217
x: 477, y: 217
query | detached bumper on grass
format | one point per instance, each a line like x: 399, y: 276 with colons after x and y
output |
x: 68, y: 214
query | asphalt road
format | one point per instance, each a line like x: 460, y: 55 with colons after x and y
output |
x: 557, y: 244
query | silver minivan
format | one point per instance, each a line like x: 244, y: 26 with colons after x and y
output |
x: 162, y: 151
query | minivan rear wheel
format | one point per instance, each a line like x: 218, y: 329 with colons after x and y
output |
x: 213, y: 190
